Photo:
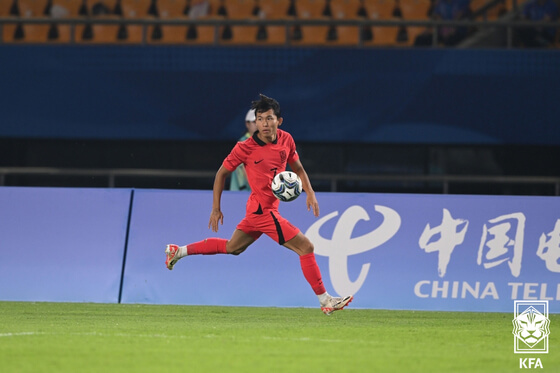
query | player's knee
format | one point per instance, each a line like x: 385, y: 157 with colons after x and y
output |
x: 308, y: 248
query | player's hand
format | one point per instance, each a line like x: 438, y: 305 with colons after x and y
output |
x: 312, y: 204
x: 215, y: 217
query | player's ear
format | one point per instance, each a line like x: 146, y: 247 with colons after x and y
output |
x: 280, y: 120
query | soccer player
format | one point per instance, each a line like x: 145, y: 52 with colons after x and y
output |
x: 264, y: 155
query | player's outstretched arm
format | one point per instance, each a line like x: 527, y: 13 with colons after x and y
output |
x: 216, y: 216
x: 311, y: 200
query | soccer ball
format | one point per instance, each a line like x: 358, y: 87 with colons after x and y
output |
x: 286, y: 186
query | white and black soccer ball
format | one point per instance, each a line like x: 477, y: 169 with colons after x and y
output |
x: 286, y: 186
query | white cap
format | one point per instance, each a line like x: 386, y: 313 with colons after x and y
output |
x: 250, y: 117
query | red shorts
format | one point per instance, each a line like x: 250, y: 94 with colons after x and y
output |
x: 271, y: 223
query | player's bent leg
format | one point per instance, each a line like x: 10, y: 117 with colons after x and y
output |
x: 239, y: 242
x: 304, y: 248
x: 208, y: 246
x: 300, y: 244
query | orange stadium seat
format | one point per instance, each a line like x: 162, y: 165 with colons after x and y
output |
x: 275, y: 35
x: 32, y: 8
x: 347, y: 35
x: 239, y: 9
x: 312, y: 35
x: 205, y: 35
x: 9, y: 32
x: 415, y: 9
x: 384, y: 36
x: 380, y: 9
x: 71, y: 6
x: 274, y: 9
x: 32, y: 33
x: 242, y: 35
x: 61, y: 33
x: 100, y: 33
x: 200, y: 34
x: 104, y: 34
x: 173, y: 34
x: 169, y: 9
x: 341, y: 10
x: 310, y: 9
x: 345, y: 9
x: 135, y: 9
x: 64, y: 35
x: 5, y: 7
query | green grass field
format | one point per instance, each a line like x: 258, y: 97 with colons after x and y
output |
x: 85, y: 337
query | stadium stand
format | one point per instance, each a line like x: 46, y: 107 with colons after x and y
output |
x: 303, y: 35
x: 31, y: 33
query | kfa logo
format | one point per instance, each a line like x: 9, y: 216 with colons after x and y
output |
x: 342, y: 244
x: 530, y: 331
x: 531, y: 327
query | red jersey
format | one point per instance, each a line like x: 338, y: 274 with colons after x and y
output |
x: 262, y: 162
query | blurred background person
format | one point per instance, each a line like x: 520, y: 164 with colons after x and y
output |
x: 238, y: 179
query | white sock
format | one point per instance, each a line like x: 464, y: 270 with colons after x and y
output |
x: 182, y: 251
x: 323, y: 297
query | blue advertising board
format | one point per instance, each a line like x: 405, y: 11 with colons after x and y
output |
x: 62, y: 244
x: 392, y: 251
x: 423, y: 252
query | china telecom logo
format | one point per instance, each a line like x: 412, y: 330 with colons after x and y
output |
x: 342, y: 244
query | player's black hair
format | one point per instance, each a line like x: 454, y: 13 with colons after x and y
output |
x: 265, y: 104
